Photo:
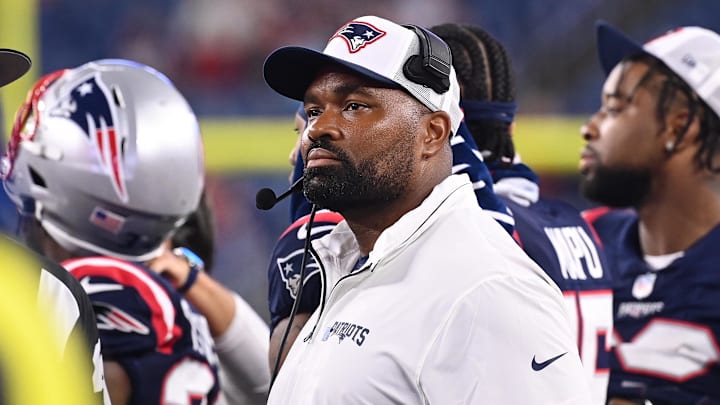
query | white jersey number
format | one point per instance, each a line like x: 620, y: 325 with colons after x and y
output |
x: 187, y: 381
x: 591, y: 313
x: 670, y: 349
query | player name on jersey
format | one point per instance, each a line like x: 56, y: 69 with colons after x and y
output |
x: 576, y: 252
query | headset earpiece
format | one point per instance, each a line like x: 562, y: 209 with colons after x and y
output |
x: 431, y: 67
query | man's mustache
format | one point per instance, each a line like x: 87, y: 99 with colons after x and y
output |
x: 339, y: 153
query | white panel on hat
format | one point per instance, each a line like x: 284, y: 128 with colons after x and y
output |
x: 693, y: 53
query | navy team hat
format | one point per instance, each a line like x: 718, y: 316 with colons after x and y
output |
x: 371, y: 46
x: 692, y: 53
x: 13, y: 64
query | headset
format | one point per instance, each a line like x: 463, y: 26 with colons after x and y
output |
x: 431, y: 67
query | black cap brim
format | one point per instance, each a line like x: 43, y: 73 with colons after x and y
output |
x: 613, y: 46
x: 290, y: 70
x: 13, y: 64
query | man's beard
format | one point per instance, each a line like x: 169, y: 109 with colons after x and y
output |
x: 371, y: 183
x: 617, y: 187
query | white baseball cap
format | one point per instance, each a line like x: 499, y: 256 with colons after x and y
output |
x: 13, y: 64
x: 693, y: 53
x: 373, y: 47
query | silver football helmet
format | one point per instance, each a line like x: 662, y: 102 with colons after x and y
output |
x: 108, y: 158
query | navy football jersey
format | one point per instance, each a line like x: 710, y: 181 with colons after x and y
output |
x: 555, y: 235
x: 160, y: 340
x: 666, y: 345
x: 284, y: 270
x: 469, y: 161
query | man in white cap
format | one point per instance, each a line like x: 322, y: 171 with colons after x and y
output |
x: 653, y: 147
x: 426, y: 298
x: 60, y: 295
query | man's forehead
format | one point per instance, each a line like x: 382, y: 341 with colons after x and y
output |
x: 624, y: 78
x: 352, y: 75
x: 345, y: 81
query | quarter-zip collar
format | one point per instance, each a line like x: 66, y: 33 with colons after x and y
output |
x: 340, y: 250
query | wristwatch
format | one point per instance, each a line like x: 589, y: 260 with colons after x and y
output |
x: 195, y: 263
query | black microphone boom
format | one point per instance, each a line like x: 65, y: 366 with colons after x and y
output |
x: 266, y: 199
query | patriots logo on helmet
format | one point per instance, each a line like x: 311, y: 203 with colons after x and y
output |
x: 289, y: 268
x: 89, y: 105
x: 357, y: 35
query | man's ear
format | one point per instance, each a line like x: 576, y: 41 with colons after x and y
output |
x: 677, y: 121
x: 438, y: 130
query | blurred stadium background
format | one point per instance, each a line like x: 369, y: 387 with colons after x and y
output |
x: 214, y: 50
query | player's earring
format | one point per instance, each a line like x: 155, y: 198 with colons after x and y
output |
x: 669, y: 146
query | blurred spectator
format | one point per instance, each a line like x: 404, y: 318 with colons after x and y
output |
x: 212, y: 51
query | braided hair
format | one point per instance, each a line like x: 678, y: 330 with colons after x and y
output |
x: 709, y: 138
x: 484, y: 73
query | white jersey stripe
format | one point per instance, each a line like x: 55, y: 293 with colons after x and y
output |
x: 55, y: 299
x: 458, y: 168
x: 498, y: 216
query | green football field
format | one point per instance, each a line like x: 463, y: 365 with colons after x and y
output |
x: 547, y: 144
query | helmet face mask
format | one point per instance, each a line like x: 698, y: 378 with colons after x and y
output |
x: 110, y: 154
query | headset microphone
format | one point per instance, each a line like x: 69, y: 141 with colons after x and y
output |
x: 298, y: 294
x: 266, y: 199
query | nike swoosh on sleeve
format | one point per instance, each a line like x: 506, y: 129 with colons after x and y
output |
x: 539, y: 366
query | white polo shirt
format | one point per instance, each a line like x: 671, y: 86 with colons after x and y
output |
x: 447, y: 310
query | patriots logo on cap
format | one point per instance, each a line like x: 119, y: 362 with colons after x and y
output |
x: 358, y: 34
x: 88, y: 105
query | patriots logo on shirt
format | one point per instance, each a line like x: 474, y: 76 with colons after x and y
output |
x: 357, y: 35
x: 89, y: 104
x: 357, y: 333
x: 110, y: 317
x: 289, y: 268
